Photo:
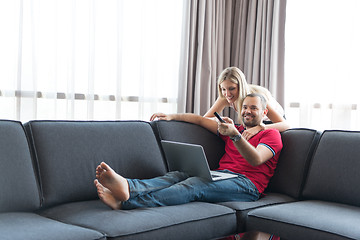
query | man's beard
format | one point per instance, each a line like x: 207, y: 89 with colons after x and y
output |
x: 251, y: 123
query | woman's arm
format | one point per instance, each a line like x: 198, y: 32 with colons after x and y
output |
x: 278, y: 121
x: 218, y: 106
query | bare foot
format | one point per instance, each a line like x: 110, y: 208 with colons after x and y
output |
x: 106, y: 196
x: 118, y: 185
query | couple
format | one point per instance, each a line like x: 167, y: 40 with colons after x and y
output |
x: 254, y: 160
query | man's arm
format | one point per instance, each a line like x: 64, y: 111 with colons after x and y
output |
x: 207, y: 123
x: 254, y: 156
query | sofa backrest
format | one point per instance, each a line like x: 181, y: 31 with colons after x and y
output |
x: 291, y: 171
x: 19, y: 187
x: 191, y: 133
x: 334, y: 170
x: 67, y: 153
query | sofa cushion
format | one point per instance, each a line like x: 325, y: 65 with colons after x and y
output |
x: 242, y: 208
x: 307, y: 220
x: 213, y: 145
x: 68, y: 152
x: 196, y: 220
x: 334, y: 171
x: 31, y: 226
x: 290, y: 173
x: 19, y: 188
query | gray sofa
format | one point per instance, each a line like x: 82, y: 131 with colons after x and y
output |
x: 48, y: 168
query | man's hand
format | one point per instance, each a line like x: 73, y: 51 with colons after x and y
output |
x: 160, y: 116
x: 209, y: 124
x: 228, y: 128
x: 254, y: 156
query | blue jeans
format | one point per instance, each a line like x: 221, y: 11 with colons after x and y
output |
x: 176, y: 188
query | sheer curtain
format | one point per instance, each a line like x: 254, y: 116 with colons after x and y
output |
x: 89, y: 59
x: 219, y: 34
x: 322, y: 62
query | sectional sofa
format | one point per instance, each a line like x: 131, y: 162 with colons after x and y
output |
x: 48, y: 168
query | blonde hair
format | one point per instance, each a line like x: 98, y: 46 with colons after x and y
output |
x: 235, y: 75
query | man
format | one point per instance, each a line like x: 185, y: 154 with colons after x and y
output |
x: 254, y: 161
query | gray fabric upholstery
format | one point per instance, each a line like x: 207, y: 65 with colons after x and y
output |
x: 331, y: 187
x: 242, y: 208
x: 190, y: 133
x: 290, y: 173
x: 189, y: 221
x: 214, y: 149
x: 30, y: 226
x: 67, y: 153
x: 334, y: 171
x: 307, y: 220
x: 19, y: 189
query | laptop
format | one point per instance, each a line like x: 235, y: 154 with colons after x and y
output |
x: 191, y: 159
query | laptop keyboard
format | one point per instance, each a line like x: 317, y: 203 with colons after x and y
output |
x: 214, y: 175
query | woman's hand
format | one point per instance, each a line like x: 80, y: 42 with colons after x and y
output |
x: 249, y: 133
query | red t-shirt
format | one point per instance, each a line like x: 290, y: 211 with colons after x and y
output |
x: 259, y: 175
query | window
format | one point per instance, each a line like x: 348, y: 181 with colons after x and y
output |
x: 89, y: 59
x: 321, y: 64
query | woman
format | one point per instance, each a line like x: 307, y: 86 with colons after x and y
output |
x: 232, y: 87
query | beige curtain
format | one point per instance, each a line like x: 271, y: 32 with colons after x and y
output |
x: 248, y: 34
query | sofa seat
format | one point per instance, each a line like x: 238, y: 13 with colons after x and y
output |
x: 30, y: 226
x: 242, y: 208
x: 309, y: 219
x: 189, y: 221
